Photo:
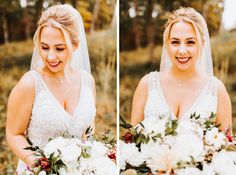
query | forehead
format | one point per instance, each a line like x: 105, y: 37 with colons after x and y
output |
x: 182, y: 30
x: 52, y: 36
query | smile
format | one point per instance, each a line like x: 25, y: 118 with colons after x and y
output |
x: 54, y: 64
x: 183, y: 60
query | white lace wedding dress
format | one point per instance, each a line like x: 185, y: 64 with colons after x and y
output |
x: 156, y: 104
x: 50, y: 120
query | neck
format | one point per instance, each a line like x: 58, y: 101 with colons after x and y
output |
x: 184, y: 75
x: 58, y: 75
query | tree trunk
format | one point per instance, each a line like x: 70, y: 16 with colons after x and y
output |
x: 74, y: 3
x: 113, y: 21
x: 5, y: 28
x: 95, y: 15
x: 150, y: 30
x: 26, y: 22
x: 136, y: 27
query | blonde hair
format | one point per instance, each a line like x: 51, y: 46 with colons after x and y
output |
x: 188, y: 15
x: 63, y: 17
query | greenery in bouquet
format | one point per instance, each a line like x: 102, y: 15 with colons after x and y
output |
x: 184, y: 146
x: 72, y: 156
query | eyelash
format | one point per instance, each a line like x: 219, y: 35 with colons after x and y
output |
x: 189, y: 42
x: 58, y: 49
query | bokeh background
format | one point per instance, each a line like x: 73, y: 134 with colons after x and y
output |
x: 141, y: 29
x: 18, y: 21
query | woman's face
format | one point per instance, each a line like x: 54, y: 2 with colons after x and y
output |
x: 53, y: 49
x: 182, y: 46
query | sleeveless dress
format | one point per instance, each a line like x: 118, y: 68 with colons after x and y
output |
x: 50, y: 120
x: 156, y: 104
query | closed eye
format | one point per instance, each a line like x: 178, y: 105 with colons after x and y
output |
x: 44, y: 48
x: 60, y: 49
x: 191, y: 42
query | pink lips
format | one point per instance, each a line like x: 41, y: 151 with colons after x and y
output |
x: 183, y: 60
x: 54, y: 64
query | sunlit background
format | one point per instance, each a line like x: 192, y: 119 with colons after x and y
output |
x: 18, y: 21
x: 141, y: 30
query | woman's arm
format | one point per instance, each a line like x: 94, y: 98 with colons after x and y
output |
x: 19, y: 109
x: 139, y: 100
x: 224, y: 109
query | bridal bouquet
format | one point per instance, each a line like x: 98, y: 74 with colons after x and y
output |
x: 162, y: 145
x: 72, y: 156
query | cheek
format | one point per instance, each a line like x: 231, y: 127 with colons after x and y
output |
x: 172, y: 50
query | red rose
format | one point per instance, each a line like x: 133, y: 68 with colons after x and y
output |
x: 127, y: 137
x: 44, y: 163
x: 112, y: 153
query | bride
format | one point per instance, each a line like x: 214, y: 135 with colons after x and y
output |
x: 185, y: 83
x: 57, y: 96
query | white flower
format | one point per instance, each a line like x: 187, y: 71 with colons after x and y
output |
x: 54, y: 145
x: 68, y: 171
x: 185, y: 146
x: 98, y: 149
x: 208, y: 169
x: 158, y: 156
x: 129, y: 153
x: 70, y: 153
x: 152, y: 126
x: 189, y: 127
x: 98, y: 166
x: 223, y: 163
x: 42, y: 173
x: 215, y: 138
x: 188, y: 171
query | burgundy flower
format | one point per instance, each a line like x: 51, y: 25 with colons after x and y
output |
x: 112, y: 153
x: 127, y: 137
x: 44, y: 163
x: 229, y: 137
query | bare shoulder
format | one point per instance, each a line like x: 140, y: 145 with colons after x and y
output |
x: 26, y: 84
x: 143, y: 83
x: 221, y: 89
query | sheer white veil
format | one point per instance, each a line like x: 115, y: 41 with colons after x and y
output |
x: 204, y: 61
x: 79, y: 58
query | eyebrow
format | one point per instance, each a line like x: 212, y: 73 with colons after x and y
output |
x: 55, y: 45
x: 186, y: 38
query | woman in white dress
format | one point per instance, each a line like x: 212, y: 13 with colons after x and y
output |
x: 57, y: 96
x: 185, y: 83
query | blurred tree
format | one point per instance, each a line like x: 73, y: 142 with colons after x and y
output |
x: 106, y: 8
x: 84, y: 9
x: 95, y: 15
x: 142, y: 21
x: 6, y: 9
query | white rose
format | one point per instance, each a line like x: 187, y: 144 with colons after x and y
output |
x: 159, y: 157
x: 215, y: 138
x: 70, y: 153
x: 129, y: 153
x: 42, y: 173
x: 185, y: 146
x: 104, y: 166
x: 223, y: 163
x: 189, y: 127
x: 208, y: 169
x: 189, y: 171
x: 54, y: 145
x: 98, y: 149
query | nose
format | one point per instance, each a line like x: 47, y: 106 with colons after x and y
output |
x: 182, y: 50
x: 51, y: 56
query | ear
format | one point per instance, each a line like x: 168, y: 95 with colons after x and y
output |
x: 75, y: 45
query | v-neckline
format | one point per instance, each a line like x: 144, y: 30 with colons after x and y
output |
x: 70, y: 116
x: 195, y: 102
